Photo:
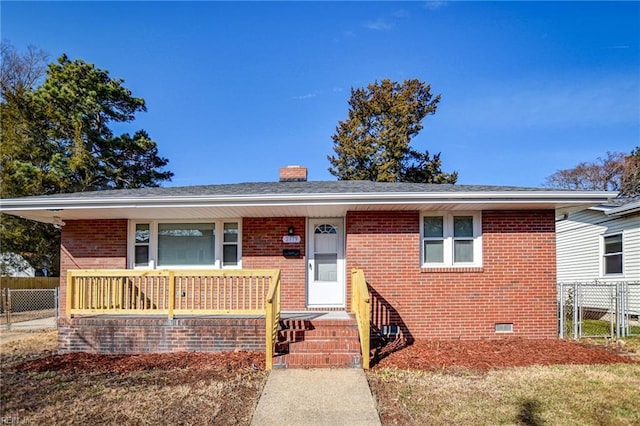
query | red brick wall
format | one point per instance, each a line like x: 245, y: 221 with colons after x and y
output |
x: 112, y: 335
x: 262, y: 247
x: 91, y: 244
x: 516, y: 283
x: 293, y: 173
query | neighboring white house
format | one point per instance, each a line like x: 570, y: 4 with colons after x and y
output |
x: 14, y: 265
x: 601, y: 245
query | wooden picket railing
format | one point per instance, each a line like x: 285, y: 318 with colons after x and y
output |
x: 178, y: 292
x: 168, y: 292
x: 360, y: 305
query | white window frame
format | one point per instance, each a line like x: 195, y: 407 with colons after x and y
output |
x: 448, y: 239
x: 603, y: 272
x: 153, y: 243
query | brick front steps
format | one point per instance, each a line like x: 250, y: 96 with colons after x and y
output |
x: 318, y: 340
x: 307, y: 339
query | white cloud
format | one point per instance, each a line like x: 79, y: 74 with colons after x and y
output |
x: 435, y: 4
x: 378, y: 25
x: 309, y: 95
x: 400, y: 13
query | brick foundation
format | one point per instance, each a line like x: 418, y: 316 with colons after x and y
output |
x: 133, y: 335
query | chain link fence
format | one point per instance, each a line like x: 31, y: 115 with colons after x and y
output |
x: 29, y: 308
x: 599, y: 309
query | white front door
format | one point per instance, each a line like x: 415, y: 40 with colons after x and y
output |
x: 325, y: 283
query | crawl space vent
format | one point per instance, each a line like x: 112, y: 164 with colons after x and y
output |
x: 504, y: 328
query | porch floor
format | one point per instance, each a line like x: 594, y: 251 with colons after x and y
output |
x: 289, y: 315
x: 315, y: 315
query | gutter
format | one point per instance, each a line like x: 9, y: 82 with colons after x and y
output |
x: 626, y: 209
x: 515, y: 197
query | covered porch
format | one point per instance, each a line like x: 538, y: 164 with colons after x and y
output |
x: 123, y: 310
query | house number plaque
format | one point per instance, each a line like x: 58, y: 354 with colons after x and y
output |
x: 291, y: 239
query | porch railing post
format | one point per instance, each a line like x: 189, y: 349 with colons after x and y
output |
x: 70, y: 293
x: 268, y: 336
x: 172, y: 294
x: 272, y: 317
x: 360, y: 305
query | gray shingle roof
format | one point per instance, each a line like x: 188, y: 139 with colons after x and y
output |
x: 621, y: 201
x: 290, y: 188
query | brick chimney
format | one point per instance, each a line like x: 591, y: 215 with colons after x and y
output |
x: 293, y: 174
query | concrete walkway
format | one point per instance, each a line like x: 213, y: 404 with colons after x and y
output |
x: 316, y: 397
x: 36, y: 324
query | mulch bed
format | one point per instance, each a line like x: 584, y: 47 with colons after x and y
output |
x: 479, y: 356
x: 485, y: 355
x: 98, y: 363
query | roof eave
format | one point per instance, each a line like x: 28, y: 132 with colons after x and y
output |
x: 46, y: 203
x: 626, y: 209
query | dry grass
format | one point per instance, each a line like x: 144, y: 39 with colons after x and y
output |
x: 558, y: 395
x: 17, y: 346
x: 178, y: 396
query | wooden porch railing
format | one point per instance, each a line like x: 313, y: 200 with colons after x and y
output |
x: 272, y: 318
x: 361, y: 307
x: 178, y: 292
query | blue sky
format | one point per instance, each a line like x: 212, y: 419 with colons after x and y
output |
x: 235, y: 90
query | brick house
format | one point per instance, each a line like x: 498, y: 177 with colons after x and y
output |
x: 437, y: 261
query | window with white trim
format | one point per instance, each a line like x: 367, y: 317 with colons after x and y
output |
x: 451, y: 239
x: 141, y: 249
x: 612, y: 254
x: 186, y: 244
x: 230, y: 244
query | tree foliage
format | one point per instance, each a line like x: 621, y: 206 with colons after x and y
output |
x: 630, y: 184
x: 57, y: 137
x: 615, y: 172
x: 20, y: 73
x: 373, y: 143
x: 419, y: 167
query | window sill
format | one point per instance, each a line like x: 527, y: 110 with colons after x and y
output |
x: 451, y: 269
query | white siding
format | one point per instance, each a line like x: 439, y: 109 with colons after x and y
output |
x: 579, y: 251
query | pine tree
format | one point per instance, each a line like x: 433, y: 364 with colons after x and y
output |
x: 373, y: 143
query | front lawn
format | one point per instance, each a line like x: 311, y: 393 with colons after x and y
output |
x: 39, y: 387
x: 440, y: 383
x: 511, y: 381
x: 555, y: 395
